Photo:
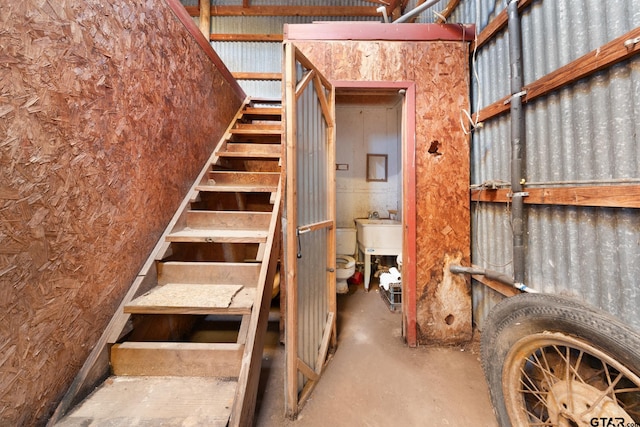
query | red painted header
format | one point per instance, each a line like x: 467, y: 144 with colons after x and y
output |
x: 379, y: 31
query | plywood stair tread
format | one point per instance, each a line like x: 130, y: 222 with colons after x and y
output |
x: 156, y: 401
x: 186, y: 359
x: 189, y: 298
x: 218, y: 235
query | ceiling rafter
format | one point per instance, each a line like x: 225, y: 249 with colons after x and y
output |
x: 287, y: 11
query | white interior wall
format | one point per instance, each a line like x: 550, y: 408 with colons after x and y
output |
x: 362, y: 129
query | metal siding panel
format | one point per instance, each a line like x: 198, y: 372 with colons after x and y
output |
x: 312, y: 201
x: 585, y: 132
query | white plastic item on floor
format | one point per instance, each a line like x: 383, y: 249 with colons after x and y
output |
x: 386, y: 279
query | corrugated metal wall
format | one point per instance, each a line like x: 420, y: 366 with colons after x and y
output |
x: 313, y: 194
x: 588, y: 132
x: 264, y: 57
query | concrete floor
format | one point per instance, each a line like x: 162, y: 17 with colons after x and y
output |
x: 374, y: 379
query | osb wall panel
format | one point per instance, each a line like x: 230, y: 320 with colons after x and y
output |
x: 108, y: 110
x: 440, y: 72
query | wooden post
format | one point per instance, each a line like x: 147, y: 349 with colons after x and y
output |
x: 205, y: 18
x: 291, y: 331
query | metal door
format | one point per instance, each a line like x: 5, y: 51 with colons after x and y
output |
x: 310, y: 226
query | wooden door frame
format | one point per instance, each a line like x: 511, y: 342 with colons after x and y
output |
x: 409, y: 207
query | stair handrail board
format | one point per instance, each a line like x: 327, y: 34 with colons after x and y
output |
x: 98, y: 359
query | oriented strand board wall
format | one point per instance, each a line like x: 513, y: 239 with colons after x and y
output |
x: 440, y: 71
x: 108, y: 111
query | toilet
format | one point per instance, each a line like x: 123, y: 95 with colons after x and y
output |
x: 345, y: 262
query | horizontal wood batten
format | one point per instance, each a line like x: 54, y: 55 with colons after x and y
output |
x: 257, y: 76
x: 499, y: 23
x: 618, y: 196
x: 610, y: 54
x: 287, y: 11
x: 447, y: 11
x: 501, y: 288
x: 379, y: 31
x: 246, y: 37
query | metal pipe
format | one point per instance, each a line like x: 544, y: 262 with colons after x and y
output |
x: 383, y: 10
x: 491, y: 274
x: 517, y: 142
x: 426, y: 5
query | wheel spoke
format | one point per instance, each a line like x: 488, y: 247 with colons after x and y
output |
x: 558, y: 380
x: 575, y: 369
x: 603, y: 395
x: 531, y: 388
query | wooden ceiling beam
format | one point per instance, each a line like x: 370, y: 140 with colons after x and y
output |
x: 287, y: 11
x: 246, y: 37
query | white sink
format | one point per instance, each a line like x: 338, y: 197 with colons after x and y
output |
x: 379, y: 234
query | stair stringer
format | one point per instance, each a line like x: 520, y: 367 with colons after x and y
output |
x: 247, y: 390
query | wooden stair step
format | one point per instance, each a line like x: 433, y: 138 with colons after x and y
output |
x: 219, y: 235
x: 243, y: 178
x: 274, y: 150
x: 250, y: 153
x: 254, y: 139
x: 240, y: 188
x: 258, y: 128
x: 254, y: 129
x: 265, y: 113
x: 265, y: 101
x: 194, y: 298
x: 156, y: 401
x: 180, y: 359
x: 241, y: 273
x: 230, y: 220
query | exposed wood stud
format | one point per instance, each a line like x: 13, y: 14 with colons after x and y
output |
x: 205, y: 18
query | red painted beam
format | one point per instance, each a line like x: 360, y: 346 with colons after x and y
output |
x: 379, y: 31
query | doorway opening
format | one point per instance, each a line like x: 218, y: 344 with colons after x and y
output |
x: 375, y: 189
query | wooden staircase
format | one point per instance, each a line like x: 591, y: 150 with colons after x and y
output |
x: 186, y: 345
